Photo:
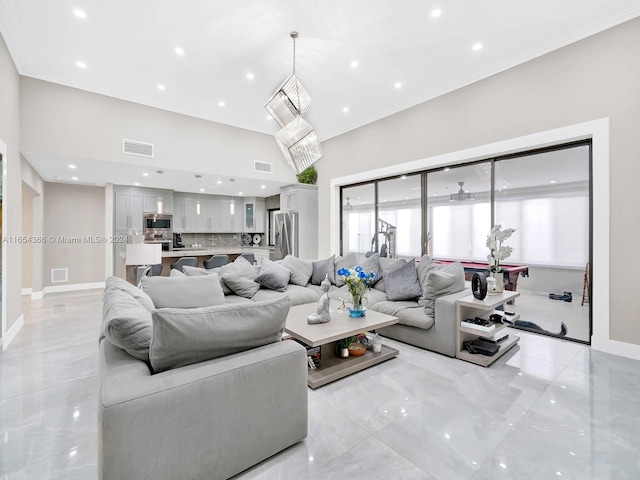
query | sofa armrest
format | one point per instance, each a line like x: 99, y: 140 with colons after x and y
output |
x: 208, y: 420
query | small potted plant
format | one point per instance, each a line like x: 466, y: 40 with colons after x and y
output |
x: 342, y: 346
x: 308, y: 176
x: 498, y: 252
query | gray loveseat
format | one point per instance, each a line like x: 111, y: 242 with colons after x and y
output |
x: 206, y: 420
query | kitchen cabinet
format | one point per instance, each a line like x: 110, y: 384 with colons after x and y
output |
x: 185, y: 217
x: 254, y: 215
x: 128, y: 210
x: 151, y: 201
x: 225, y: 221
x: 302, y: 199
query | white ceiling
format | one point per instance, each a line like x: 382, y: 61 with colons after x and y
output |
x: 129, y: 49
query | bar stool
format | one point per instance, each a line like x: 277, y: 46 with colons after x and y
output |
x: 185, y: 262
x: 216, y: 261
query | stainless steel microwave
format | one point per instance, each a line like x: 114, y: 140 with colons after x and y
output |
x: 158, y: 222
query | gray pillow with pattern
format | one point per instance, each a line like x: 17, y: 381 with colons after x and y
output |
x: 273, y: 276
x: 402, y: 283
x: 323, y: 268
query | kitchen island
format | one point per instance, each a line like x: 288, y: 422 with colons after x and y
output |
x: 204, y: 253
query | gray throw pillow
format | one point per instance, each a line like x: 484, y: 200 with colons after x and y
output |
x: 348, y: 261
x: 182, y: 337
x: 441, y: 280
x: 301, y: 270
x: 176, y: 273
x: 402, y: 283
x: 372, y: 264
x: 387, y: 265
x: 423, y: 268
x: 121, y: 284
x: 241, y: 286
x: 184, y: 292
x: 273, y: 276
x: 126, y: 323
x: 240, y: 267
x: 322, y: 268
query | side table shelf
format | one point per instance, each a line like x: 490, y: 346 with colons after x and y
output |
x: 470, y: 307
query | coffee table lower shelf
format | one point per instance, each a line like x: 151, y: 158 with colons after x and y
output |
x: 333, y: 368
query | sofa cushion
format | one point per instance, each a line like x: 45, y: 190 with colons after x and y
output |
x: 273, y: 276
x: 402, y: 283
x: 348, y: 261
x: 372, y: 296
x: 186, y: 336
x: 322, y: 269
x: 301, y: 270
x: 244, y: 287
x: 121, y: 284
x: 441, y: 280
x: 387, y: 265
x: 408, y: 313
x: 184, y: 292
x: 372, y: 264
x: 126, y: 323
x: 176, y: 273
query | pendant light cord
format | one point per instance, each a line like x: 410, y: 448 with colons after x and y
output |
x: 294, y: 35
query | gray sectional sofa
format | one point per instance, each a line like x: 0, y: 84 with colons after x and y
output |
x: 194, y: 380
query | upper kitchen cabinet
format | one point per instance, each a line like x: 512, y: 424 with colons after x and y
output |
x: 254, y: 214
x: 151, y: 201
x: 128, y: 209
x: 185, y: 217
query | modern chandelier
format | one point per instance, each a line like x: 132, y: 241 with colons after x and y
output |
x: 462, y: 195
x: 297, y: 138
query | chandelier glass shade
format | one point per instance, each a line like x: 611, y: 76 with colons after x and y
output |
x: 297, y: 138
x: 291, y: 100
x: 299, y: 144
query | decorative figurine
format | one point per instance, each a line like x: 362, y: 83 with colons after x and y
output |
x: 322, y: 313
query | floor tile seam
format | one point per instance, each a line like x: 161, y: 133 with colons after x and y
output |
x: 36, y: 392
x: 44, y: 352
x: 400, y: 454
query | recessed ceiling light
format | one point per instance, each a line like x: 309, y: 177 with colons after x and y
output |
x: 434, y: 194
x: 354, y: 64
x: 403, y: 177
x: 250, y: 76
x: 447, y: 169
x: 81, y: 64
x: 202, y: 189
x: 219, y: 182
x: 79, y: 13
x: 476, y: 47
x: 552, y: 181
x: 72, y: 167
x: 397, y: 85
x: 269, y: 117
x: 263, y: 186
x: 345, y: 109
x: 145, y: 174
x: 239, y: 193
x: 74, y: 178
x: 179, y: 51
x: 137, y: 184
x: 221, y: 103
x: 161, y: 87
x: 436, y: 13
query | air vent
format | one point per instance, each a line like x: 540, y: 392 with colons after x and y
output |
x: 133, y: 147
x: 59, y: 275
x: 264, y: 167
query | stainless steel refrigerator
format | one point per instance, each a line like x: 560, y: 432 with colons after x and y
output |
x: 286, y: 234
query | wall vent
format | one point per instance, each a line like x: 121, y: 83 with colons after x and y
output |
x: 264, y: 167
x: 59, y: 275
x: 133, y: 147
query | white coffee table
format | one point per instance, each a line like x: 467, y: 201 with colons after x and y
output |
x: 325, y: 335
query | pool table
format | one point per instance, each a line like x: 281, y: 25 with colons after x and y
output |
x: 511, y: 272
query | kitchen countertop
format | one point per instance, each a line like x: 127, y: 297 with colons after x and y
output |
x: 203, y: 251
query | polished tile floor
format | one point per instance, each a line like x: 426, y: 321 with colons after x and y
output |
x: 550, y: 409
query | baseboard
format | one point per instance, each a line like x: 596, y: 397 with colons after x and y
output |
x: 74, y: 287
x: 614, y: 347
x: 12, y: 332
x: 26, y: 291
